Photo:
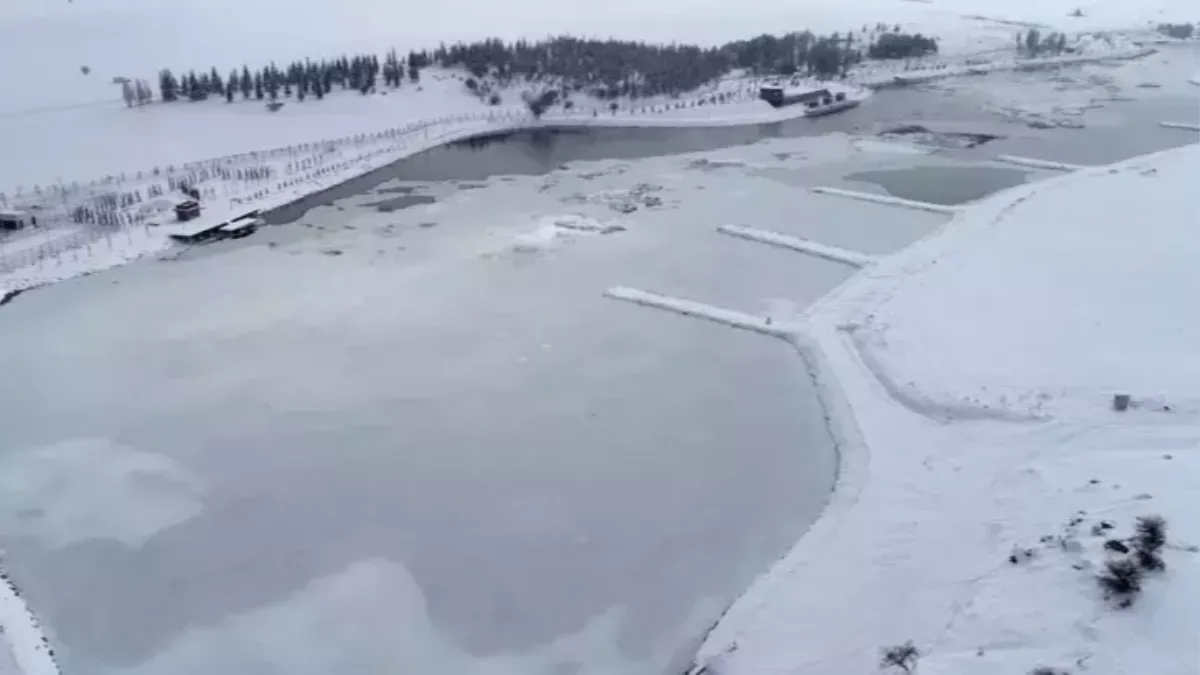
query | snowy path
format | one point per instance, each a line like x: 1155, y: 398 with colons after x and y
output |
x: 1185, y: 126
x: 1034, y: 163
x: 886, y: 200
x: 1013, y: 312
x: 852, y: 258
x: 699, y: 310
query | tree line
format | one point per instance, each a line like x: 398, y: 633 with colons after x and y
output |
x: 606, y: 69
x: 1033, y: 43
x: 307, y: 78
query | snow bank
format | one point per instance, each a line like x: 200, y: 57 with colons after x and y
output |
x: 1035, y: 163
x: 887, y: 200
x: 1183, y: 126
x: 834, y: 253
x: 30, y: 652
x: 699, y: 310
x: 975, y: 525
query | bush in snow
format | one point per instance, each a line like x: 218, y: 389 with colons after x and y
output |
x: 902, y: 656
x: 538, y: 103
x: 1046, y: 670
x: 1148, y: 540
x: 1121, y: 581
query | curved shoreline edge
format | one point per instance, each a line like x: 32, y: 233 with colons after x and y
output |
x: 824, y: 339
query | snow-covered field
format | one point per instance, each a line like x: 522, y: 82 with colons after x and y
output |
x: 967, y: 441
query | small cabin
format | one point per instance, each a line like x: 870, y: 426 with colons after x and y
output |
x: 779, y: 96
x: 16, y: 220
x: 185, y: 211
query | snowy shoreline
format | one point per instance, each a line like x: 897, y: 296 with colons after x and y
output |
x: 764, y: 629
x: 27, y: 268
x: 27, y: 644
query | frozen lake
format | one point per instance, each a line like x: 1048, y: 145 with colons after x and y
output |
x: 447, y: 430
x: 420, y: 440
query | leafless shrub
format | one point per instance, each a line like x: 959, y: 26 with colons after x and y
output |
x: 1121, y: 581
x: 902, y: 656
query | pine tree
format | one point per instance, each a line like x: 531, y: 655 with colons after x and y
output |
x: 185, y: 86
x: 215, y: 82
x: 391, y: 69
x: 143, y: 92
x: 258, y: 87
x: 1033, y: 41
x: 247, y: 83
x: 271, y: 81
x: 233, y: 82
x: 167, y: 86
x: 229, y: 89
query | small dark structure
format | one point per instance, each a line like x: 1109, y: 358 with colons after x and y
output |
x: 779, y: 96
x: 15, y: 220
x: 242, y: 227
x: 208, y: 230
x: 188, y: 210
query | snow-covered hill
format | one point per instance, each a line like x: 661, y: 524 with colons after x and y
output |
x: 44, y: 44
x: 987, y: 478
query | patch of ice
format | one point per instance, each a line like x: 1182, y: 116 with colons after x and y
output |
x: 76, y: 490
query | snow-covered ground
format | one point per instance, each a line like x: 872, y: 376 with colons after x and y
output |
x: 967, y: 441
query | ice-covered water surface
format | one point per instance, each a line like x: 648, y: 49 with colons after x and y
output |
x: 422, y: 440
